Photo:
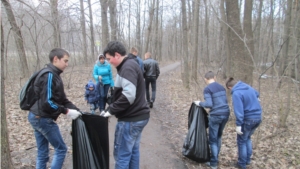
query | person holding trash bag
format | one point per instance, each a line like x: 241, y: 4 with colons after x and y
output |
x: 102, y: 73
x: 52, y: 102
x: 247, y: 110
x: 216, y: 100
x: 129, y: 106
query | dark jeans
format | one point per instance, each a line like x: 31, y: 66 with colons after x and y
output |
x: 103, y: 96
x: 244, y: 141
x: 216, y: 127
x: 46, y: 132
x: 152, y: 81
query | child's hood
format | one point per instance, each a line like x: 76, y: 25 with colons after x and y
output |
x: 90, y: 84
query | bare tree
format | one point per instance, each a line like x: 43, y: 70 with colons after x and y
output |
x: 5, y: 151
x: 92, y: 39
x: 83, y: 31
x: 249, y: 37
x: 186, y: 74
x: 239, y: 56
x: 196, y: 39
x: 151, y: 16
x: 55, y: 24
x: 104, y: 23
x: 18, y: 38
x: 113, y: 19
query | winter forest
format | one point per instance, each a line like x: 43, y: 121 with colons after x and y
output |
x: 256, y: 41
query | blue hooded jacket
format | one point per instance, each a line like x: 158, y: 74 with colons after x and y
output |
x: 105, y: 71
x: 92, y: 96
x: 245, y: 103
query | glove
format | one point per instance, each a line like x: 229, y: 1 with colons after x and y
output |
x: 100, y: 78
x: 239, y: 130
x: 105, y: 114
x: 73, y: 114
x: 197, y: 103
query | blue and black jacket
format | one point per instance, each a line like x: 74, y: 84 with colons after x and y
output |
x: 129, y: 102
x: 52, y: 98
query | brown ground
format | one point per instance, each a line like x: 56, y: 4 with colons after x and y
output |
x: 164, y: 135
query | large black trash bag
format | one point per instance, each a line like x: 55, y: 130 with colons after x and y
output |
x: 90, y: 142
x: 196, y: 145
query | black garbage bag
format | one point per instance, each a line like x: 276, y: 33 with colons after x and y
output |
x: 196, y: 146
x: 90, y: 142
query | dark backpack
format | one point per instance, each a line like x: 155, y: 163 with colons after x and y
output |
x: 27, y: 95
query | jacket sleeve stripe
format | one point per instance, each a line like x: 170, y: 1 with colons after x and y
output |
x: 49, y: 92
x: 129, y: 90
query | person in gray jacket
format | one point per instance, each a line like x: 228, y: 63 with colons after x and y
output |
x: 151, y: 73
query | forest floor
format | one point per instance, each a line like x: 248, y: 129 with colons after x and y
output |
x: 162, y: 140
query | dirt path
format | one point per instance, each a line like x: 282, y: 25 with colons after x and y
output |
x: 156, y: 152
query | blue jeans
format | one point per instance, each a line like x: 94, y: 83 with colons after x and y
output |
x: 93, y: 107
x: 216, y: 126
x: 46, y: 131
x: 150, y: 80
x: 103, y: 95
x: 127, y: 144
x: 244, y: 141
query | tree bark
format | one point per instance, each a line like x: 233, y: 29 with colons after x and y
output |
x: 55, y: 24
x: 236, y: 44
x: 92, y: 29
x: 18, y: 39
x: 151, y: 16
x: 249, y: 38
x: 5, y: 151
x: 83, y: 32
x: 104, y: 24
x: 113, y: 19
x: 138, y: 27
x: 186, y: 74
x: 196, y: 40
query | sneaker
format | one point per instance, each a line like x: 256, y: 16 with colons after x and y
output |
x: 212, y: 167
x: 150, y: 104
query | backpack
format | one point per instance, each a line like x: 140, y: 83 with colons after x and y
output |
x: 27, y: 95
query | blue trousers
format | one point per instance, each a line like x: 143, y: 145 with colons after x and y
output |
x: 46, y: 131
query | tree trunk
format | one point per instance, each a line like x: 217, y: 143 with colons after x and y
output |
x: 227, y: 71
x: 18, y: 39
x: 236, y: 44
x: 104, y: 24
x: 257, y: 33
x: 83, y: 31
x: 113, y: 19
x: 249, y: 39
x: 151, y: 16
x: 92, y: 40
x: 138, y: 27
x: 195, y: 38
x: 5, y: 151
x: 185, y: 76
x: 207, y: 54
x: 55, y: 23
x: 156, y: 41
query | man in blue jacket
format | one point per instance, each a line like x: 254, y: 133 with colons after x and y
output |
x: 247, y: 111
x: 216, y: 101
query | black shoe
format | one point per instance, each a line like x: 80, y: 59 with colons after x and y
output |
x: 151, y: 104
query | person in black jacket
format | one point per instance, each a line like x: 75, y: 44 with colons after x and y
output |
x: 129, y: 106
x: 151, y: 74
x: 51, y: 103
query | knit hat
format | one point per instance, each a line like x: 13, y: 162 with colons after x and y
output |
x: 101, y: 56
